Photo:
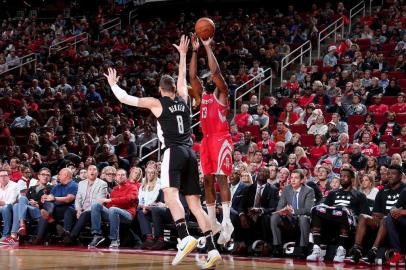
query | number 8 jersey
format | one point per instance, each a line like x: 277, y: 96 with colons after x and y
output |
x: 174, y: 122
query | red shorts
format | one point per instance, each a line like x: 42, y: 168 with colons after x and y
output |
x: 216, y: 154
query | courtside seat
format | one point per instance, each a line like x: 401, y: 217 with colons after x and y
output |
x: 301, y: 129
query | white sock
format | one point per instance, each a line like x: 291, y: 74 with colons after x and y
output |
x: 211, y: 211
x: 226, y: 211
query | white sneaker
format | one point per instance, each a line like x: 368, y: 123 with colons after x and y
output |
x: 317, y: 254
x: 213, y: 258
x: 226, y: 233
x: 185, y: 246
x: 216, y: 228
x: 340, y: 255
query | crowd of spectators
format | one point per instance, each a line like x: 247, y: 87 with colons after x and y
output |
x: 336, y: 128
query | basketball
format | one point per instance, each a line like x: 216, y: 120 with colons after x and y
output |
x: 204, y: 28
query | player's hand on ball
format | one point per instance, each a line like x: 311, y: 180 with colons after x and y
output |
x: 207, y: 42
x: 112, y: 76
x: 183, y: 45
x: 195, y: 42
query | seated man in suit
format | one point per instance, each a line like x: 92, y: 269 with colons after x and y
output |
x: 338, y: 213
x: 258, y: 204
x: 89, y: 191
x: 293, y: 211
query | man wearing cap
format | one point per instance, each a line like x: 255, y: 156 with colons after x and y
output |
x: 329, y: 59
x: 378, y: 108
x: 400, y: 106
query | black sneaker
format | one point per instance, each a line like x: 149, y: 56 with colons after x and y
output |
x: 354, y: 256
x: 277, y: 251
x: 370, y: 258
x: 68, y: 241
x: 158, y: 245
x: 97, y: 240
x: 148, y: 244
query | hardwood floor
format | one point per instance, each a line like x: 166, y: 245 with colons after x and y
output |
x: 44, y: 258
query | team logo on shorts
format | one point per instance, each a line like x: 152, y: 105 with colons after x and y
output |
x: 224, y: 157
x: 337, y: 213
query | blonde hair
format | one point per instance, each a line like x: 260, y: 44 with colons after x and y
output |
x: 135, y: 174
x: 146, y: 183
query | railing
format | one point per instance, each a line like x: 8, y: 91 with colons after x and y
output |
x: 259, y: 85
x: 360, y: 7
x: 25, y: 60
x: 133, y: 14
x: 334, y: 27
x: 110, y: 24
x: 300, y: 51
x: 153, y: 151
x: 69, y: 42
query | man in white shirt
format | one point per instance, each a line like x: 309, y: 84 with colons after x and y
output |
x: 8, y: 196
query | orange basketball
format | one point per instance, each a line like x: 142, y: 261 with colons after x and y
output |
x: 204, y: 28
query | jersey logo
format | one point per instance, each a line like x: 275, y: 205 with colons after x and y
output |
x: 225, y: 153
x: 222, y: 118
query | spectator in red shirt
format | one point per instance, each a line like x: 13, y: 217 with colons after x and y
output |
x: 15, y: 171
x: 120, y: 207
x: 400, y: 106
x: 236, y: 136
x: 343, y: 144
x: 293, y: 85
x: 4, y: 130
x: 368, y: 148
x: 288, y: 116
x: 307, y: 97
x: 318, y: 150
x: 302, y: 158
x: 378, y: 108
x: 266, y: 145
x: 242, y: 119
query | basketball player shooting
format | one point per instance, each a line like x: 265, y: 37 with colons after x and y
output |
x: 179, y: 169
x: 216, y: 146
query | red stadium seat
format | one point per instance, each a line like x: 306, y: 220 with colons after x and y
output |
x: 389, y: 47
x: 255, y: 131
x: 389, y: 139
x: 284, y: 101
x: 356, y: 119
x: 364, y: 42
x: 402, y: 83
x: 401, y: 119
x: 307, y: 140
x: 265, y: 101
x: 380, y: 119
x: 327, y: 117
x: 301, y: 129
x: 396, y: 75
x: 391, y: 61
x: 388, y: 100
x: 393, y: 150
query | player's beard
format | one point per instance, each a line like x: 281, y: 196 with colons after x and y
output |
x: 210, y: 87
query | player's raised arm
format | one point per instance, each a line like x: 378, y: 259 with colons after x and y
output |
x: 195, y: 82
x: 148, y: 103
x: 182, y: 49
x: 215, y: 69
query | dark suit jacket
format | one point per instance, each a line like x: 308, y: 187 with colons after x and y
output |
x: 269, y: 199
x: 306, y: 199
x: 238, y: 196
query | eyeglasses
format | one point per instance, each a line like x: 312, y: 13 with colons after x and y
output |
x: 45, y: 174
x: 4, y: 175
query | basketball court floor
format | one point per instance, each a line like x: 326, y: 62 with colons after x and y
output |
x: 46, y: 258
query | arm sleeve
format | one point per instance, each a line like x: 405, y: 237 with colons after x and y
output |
x: 123, y: 97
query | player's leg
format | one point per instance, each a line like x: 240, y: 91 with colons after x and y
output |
x: 223, y: 168
x: 171, y: 169
x: 365, y: 222
x: 191, y: 189
x: 209, y: 181
x: 379, y: 240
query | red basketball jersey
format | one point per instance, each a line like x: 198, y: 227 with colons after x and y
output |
x: 213, y: 115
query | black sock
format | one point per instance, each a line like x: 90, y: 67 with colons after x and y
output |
x: 182, y: 228
x: 343, y: 241
x: 316, y: 238
x: 209, y: 241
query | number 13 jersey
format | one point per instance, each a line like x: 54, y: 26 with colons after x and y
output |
x: 213, y: 115
x: 174, y: 123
